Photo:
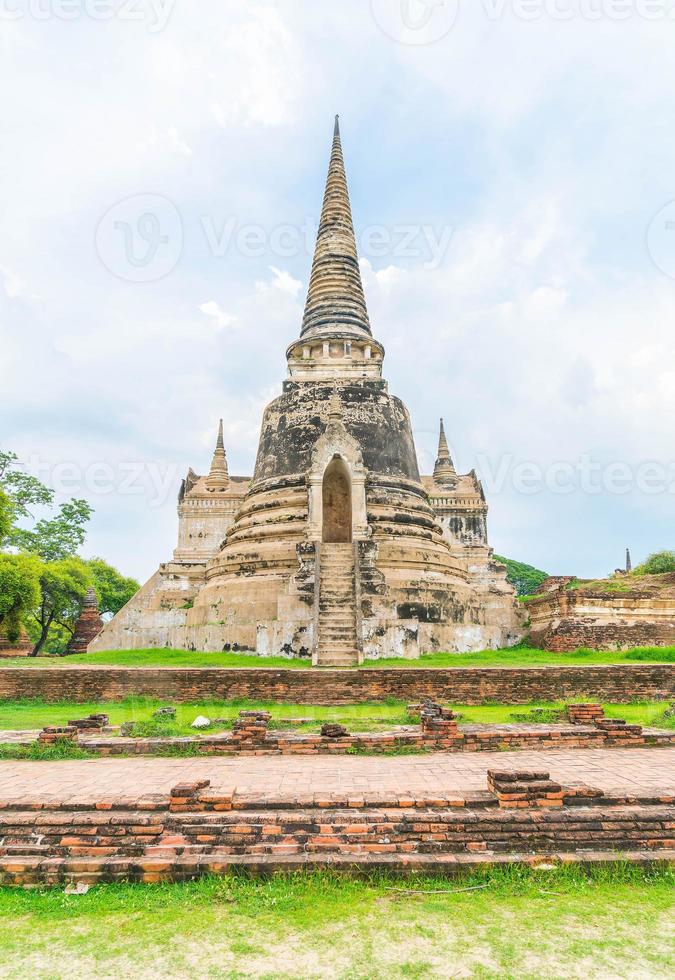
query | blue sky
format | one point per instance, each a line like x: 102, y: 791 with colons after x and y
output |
x: 512, y: 181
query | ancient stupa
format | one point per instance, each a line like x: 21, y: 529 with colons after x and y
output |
x: 88, y: 625
x: 336, y: 548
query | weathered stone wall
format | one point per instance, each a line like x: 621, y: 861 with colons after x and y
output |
x: 620, y: 684
x: 568, y: 619
x: 378, y: 421
x: 151, y: 617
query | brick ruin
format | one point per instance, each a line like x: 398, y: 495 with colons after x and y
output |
x: 632, y: 611
x: 88, y: 626
x: 336, y: 548
x: 438, y: 731
x: 196, y: 829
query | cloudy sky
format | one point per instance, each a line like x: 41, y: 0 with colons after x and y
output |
x: 512, y: 172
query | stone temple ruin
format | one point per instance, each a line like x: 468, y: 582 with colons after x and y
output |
x: 336, y: 548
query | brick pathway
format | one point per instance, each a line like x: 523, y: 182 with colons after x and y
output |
x: 633, y: 770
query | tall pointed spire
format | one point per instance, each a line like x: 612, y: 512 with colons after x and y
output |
x: 335, y: 300
x: 444, y: 470
x: 218, y: 478
x: 629, y: 563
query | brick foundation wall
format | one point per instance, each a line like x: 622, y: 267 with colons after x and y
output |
x: 617, y: 684
x: 197, y: 830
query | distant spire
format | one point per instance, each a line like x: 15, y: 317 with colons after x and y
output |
x: 335, y: 298
x: 444, y: 470
x: 218, y: 478
x: 629, y: 563
x: 90, y: 600
x: 88, y: 625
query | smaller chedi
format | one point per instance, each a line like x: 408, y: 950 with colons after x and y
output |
x: 336, y: 547
x: 88, y: 626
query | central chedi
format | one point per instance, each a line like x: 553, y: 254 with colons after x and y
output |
x: 337, y: 548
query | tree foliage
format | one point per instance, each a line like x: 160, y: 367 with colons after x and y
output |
x: 60, y: 536
x: 45, y: 584
x: 19, y: 591
x: 657, y: 564
x: 24, y: 491
x: 526, y: 579
x: 52, y: 538
x: 6, y: 516
x: 63, y: 587
x: 113, y: 590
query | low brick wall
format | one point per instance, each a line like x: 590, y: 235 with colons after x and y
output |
x: 198, y: 830
x: 486, y: 739
x: 460, y: 685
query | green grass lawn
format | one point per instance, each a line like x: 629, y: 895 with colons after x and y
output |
x: 33, y: 714
x: 513, y: 657
x: 613, y: 922
x: 157, y: 658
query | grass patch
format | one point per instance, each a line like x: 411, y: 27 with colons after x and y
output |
x: 366, y: 717
x: 613, y: 921
x: 519, y: 656
x: 157, y: 658
x: 530, y: 657
x: 56, y: 752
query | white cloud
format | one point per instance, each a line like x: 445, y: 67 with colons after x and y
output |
x: 546, y: 332
x: 213, y: 310
x: 281, y: 280
x: 12, y: 284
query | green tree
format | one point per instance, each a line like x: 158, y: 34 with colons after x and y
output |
x: 51, y: 538
x: 57, y: 537
x: 526, y: 579
x: 6, y: 515
x: 657, y: 564
x: 63, y: 587
x: 112, y: 589
x: 24, y: 491
x: 19, y: 591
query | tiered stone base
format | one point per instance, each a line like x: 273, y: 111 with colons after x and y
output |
x: 196, y: 830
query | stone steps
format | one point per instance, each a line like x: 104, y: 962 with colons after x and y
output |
x: 337, y: 638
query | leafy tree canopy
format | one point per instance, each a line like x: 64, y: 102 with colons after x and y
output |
x: 6, y: 515
x: 657, y: 564
x: 112, y: 589
x: 24, y: 491
x: 63, y: 585
x: 51, y: 538
x: 526, y: 579
x: 59, y: 536
x: 19, y: 590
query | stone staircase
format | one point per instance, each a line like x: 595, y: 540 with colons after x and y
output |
x: 337, y: 643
